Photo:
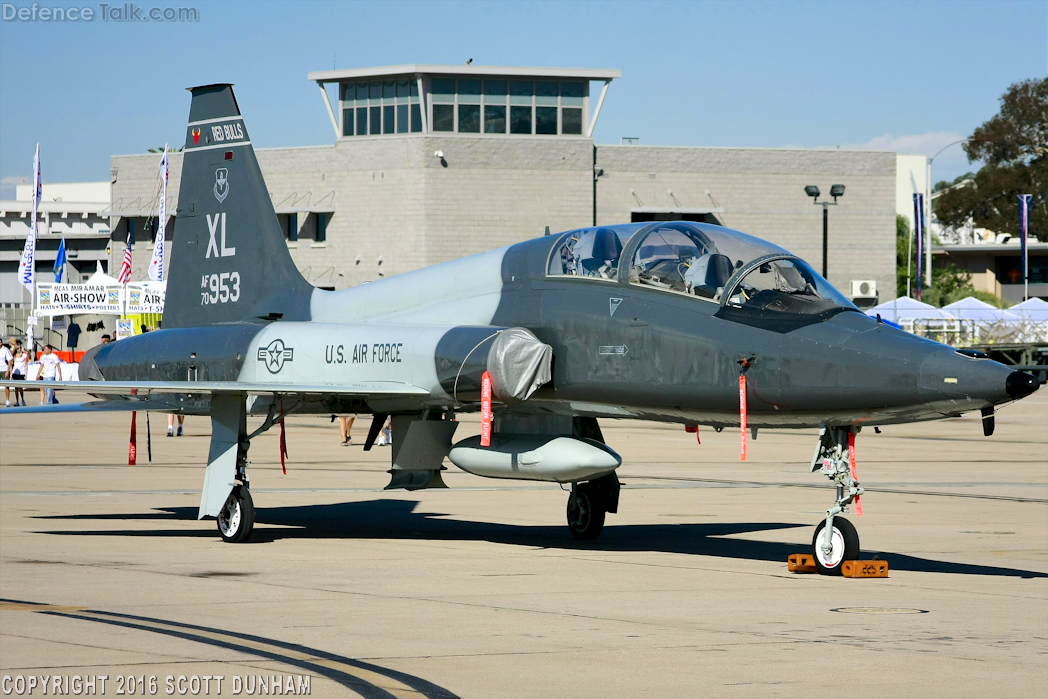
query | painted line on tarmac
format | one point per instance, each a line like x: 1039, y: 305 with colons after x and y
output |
x: 628, y: 483
x: 66, y: 493
x: 893, y: 491
x: 366, y: 679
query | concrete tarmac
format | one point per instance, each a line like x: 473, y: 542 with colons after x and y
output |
x: 479, y: 590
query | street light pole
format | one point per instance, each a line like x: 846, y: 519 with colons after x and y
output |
x: 812, y: 191
x: 928, y: 215
x: 825, y: 237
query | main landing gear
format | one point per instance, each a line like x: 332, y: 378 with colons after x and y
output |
x: 226, y: 494
x: 236, y: 520
x: 588, y: 504
x: 836, y: 540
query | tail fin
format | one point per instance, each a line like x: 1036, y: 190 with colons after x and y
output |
x: 229, y: 261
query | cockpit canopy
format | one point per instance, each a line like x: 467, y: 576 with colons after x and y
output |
x: 700, y: 260
x: 592, y: 252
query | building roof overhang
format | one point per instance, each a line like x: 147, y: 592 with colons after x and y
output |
x: 334, y: 76
x: 21, y: 208
x: 677, y: 210
x: 994, y: 249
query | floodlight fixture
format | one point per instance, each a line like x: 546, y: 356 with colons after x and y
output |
x: 836, y: 190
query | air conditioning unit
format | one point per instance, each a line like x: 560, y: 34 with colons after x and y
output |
x: 863, y: 289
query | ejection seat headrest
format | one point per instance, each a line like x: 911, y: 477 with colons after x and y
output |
x: 718, y: 270
x: 606, y: 245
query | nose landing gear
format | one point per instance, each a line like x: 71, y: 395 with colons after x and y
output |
x: 836, y: 540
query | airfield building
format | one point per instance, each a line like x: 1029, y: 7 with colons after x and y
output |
x: 429, y: 163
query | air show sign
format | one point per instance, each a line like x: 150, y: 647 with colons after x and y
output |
x: 110, y: 299
x: 63, y: 299
x: 145, y: 297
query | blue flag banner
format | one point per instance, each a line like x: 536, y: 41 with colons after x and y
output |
x: 1024, y: 230
x: 60, y: 261
x: 918, y: 232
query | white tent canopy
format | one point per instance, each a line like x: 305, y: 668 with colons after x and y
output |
x: 974, y: 310
x: 1034, y: 309
x: 1033, y: 316
x: 905, y: 309
x: 100, y: 278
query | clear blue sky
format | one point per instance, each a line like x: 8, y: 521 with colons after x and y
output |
x: 892, y: 75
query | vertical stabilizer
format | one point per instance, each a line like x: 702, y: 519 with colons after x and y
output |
x: 229, y: 260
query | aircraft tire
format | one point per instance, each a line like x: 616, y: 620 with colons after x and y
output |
x: 585, y: 518
x: 237, y: 518
x: 845, y: 546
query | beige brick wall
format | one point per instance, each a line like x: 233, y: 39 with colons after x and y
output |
x: 394, y: 200
x: 762, y: 193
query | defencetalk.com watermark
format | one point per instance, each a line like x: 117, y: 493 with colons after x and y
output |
x: 125, y: 12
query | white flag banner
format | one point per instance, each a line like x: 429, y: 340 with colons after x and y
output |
x: 27, y: 265
x: 156, y: 264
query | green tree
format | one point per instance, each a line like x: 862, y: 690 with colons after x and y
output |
x: 949, y: 284
x: 904, y: 252
x: 1014, y: 147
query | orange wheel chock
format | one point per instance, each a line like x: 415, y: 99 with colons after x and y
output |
x: 864, y: 569
x: 802, y: 563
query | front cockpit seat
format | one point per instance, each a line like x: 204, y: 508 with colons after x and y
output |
x: 708, y: 274
x: 718, y: 271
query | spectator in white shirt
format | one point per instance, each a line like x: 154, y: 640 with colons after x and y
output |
x: 6, y: 357
x: 19, y: 369
x: 49, y: 371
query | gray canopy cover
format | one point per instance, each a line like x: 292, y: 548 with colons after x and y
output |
x: 519, y: 363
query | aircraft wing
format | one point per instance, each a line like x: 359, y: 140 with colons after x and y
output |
x: 150, y: 395
x: 145, y: 388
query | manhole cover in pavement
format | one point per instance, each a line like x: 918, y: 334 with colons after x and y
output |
x: 879, y: 610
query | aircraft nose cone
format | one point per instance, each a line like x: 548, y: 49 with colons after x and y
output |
x: 1020, y: 384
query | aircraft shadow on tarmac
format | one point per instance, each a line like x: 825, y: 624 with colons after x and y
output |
x: 397, y: 519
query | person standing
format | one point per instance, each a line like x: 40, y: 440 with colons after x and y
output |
x: 19, y: 369
x: 6, y: 357
x: 171, y: 424
x: 345, y: 424
x: 49, y: 372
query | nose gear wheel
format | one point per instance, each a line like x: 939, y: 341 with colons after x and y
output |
x: 843, y: 546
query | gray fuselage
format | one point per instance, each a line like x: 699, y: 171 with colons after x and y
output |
x: 621, y: 350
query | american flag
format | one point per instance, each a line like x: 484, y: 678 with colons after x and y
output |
x: 125, y: 269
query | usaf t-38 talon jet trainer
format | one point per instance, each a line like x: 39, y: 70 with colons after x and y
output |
x: 652, y: 321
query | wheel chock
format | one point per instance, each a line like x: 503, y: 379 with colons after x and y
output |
x: 864, y: 569
x: 802, y: 563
